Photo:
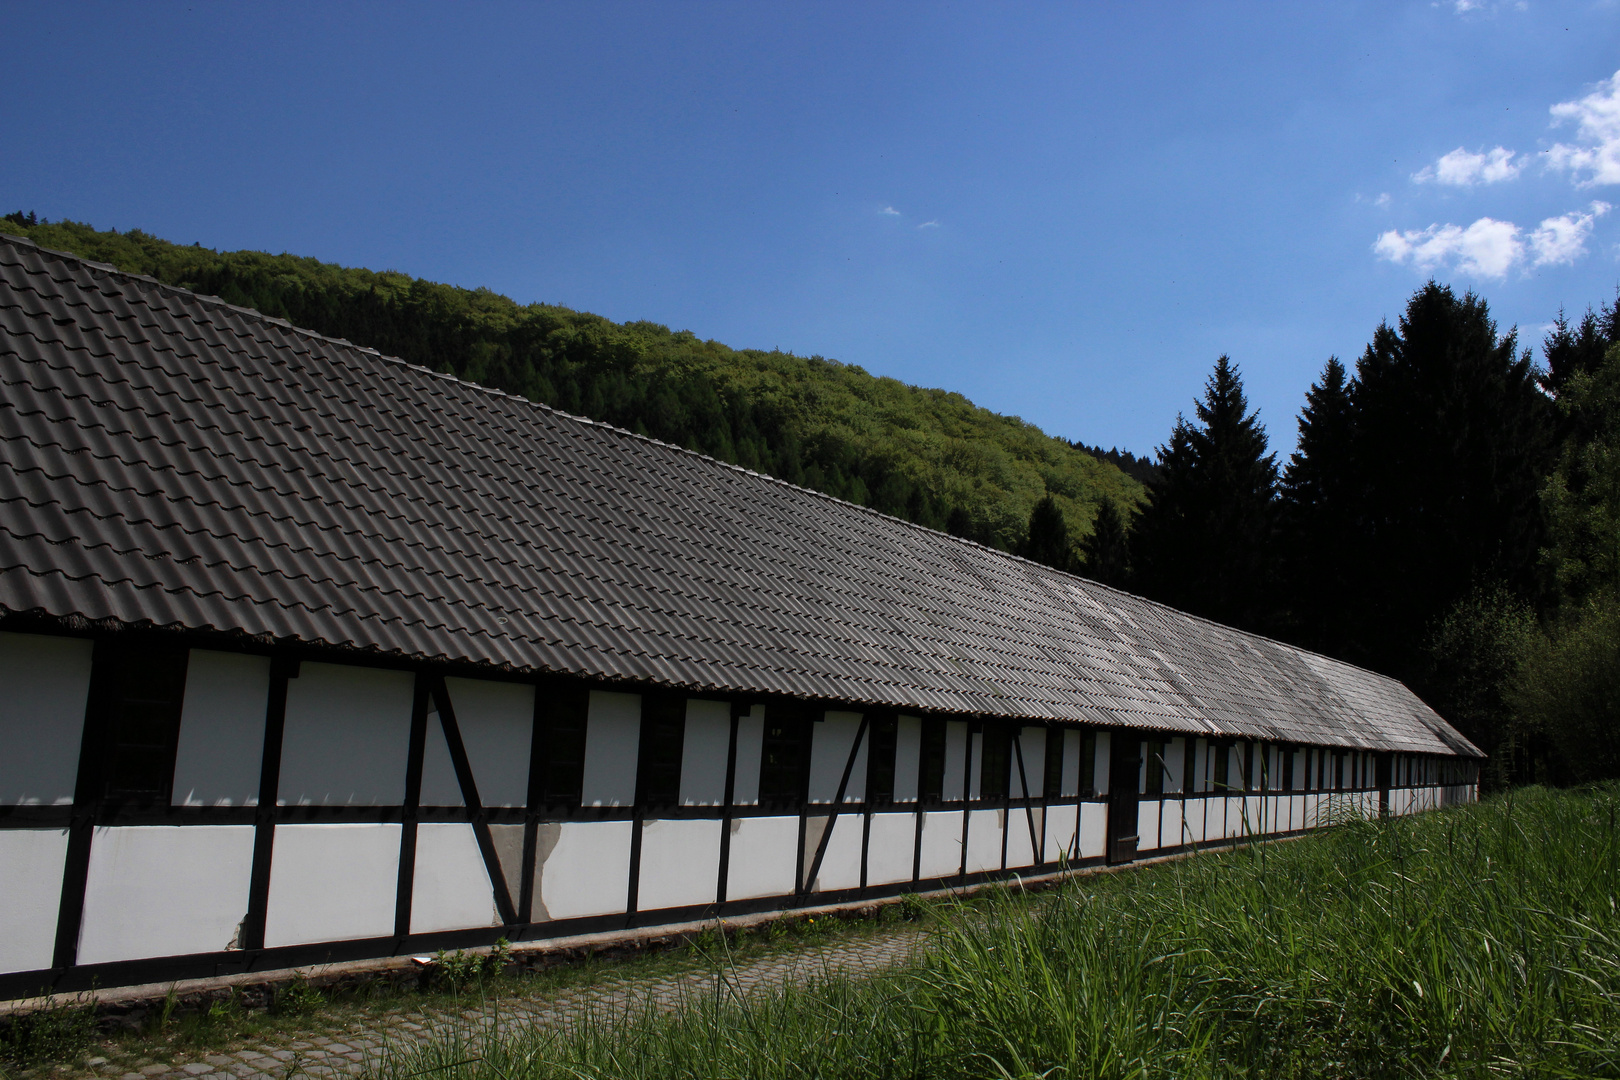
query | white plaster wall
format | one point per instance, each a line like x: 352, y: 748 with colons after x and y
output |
x: 450, y: 885
x: 941, y: 854
x: 984, y: 840
x: 45, y: 681
x: 889, y: 849
x: 829, y: 753
x: 1062, y: 823
x: 496, y: 720
x: 764, y: 856
x: 1099, y: 780
x: 1193, y: 812
x: 347, y: 737
x: 1071, y: 764
x: 221, y: 729
x: 31, y: 863
x: 907, y: 761
x: 1020, y: 851
x: 1147, y: 825
x: 612, y: 748
x: 588, y: 871
x: 1093, y: 830
x: 1032, y: 741
x: 955, y: 761
x: 332, y: 882
x: 750, y: 745
x: 1171, y: 830
x: 680, y: 859
x: 164, y: 890
x: 841, y: 865
x: 703, y: 756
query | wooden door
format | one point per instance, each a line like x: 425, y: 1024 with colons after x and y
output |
x: 1124, y: 770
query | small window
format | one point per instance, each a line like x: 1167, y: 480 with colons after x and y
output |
x: 995, y: 752
x: 145, y: 688
x: 1052, y: 782
x: 785, y: 756
x: 1152, y: 768
x: 1288, y: 768
x: 931, y: 767
x: 1189, y: 768
x: 1088, y: 765
x: 663, y: 734
x: 564, y: 709
x: 883, y: 733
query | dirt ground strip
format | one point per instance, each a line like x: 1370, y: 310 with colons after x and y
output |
x: 346, y: 1048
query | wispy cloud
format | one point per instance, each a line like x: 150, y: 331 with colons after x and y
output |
x: 929, y: 225
x: 1463, y: 169
x: 891, y: 211
x: 1597, y: 125
x: 1489, y: 248
x: 1382, y: 200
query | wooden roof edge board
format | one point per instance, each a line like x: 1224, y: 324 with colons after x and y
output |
x: 1212, y: 659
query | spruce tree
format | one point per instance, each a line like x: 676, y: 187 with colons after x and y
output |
x: 1451, y: 440
x: 1318, y: 514
x: 1048, y: 538
x: 1106, y: 549
x: 1204, y: 543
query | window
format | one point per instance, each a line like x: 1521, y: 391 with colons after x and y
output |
x: 560, y: 742
x: 931, y: 772
x: 784, y: 760
x: 1223, y: 764
x: 882, y: 733
x: 1152, y: 768
x: 145, y: 686
x: 994, y: 761
x: 1288, y: 768
x: 1248, y: 780
x: 1052, y: 777
x: 1088, y: 764
x: 663, y: 735
x: 1189, y: 768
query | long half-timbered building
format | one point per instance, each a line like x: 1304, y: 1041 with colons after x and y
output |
x: 310, y: 655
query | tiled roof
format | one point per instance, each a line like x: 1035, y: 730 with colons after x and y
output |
x: 169, y: 458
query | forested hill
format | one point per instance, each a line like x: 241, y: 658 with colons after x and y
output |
x: 927, y: 455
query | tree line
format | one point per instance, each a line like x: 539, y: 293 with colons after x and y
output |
x: 1451, y: 517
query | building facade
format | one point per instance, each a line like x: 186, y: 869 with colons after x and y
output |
x: 308, y: 655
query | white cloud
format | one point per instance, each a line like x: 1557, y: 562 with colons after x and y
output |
x: 1462, y: 169
x: 1382, y: 200
x: 929, y: 225
x: 1597, y: 124
x: 1487, y: 248
x: 1562, y: 240
x: 889, y: 210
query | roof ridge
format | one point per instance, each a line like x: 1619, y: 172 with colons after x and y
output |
x: 304, y: 332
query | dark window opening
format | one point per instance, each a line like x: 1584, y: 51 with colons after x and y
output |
x: 145, y: 688
x: 883, y: 732
x: 663, y: 734
x: 1052, y: 785
x: 1246, y: 779
x: 1153, y: 768
x: 1223, y: 765
x: 784, y: 760
x: 1189, y: 765
x: 1088, y: 764
x: 564, y: 710
x: 1288, y: 768
x: 994, y: 761
x: 931, y: 766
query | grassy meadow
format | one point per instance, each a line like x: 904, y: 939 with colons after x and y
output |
x: 1476, y: 941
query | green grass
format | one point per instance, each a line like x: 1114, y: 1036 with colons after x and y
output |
x: 1478, y: 941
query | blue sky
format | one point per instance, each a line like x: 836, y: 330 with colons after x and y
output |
x: 1065, y: 212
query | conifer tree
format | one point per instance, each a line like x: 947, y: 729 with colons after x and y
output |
x: 1048, y: 538
x: 1204, y: 543
x: 1318, y: 514
x: 1106, y: 549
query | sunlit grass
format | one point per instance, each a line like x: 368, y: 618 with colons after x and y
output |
x: 1477, y: 941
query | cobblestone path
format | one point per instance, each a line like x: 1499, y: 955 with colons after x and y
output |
x: 346, y: 1050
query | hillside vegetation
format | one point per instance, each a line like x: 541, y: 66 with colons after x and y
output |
x: 930, y: 456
